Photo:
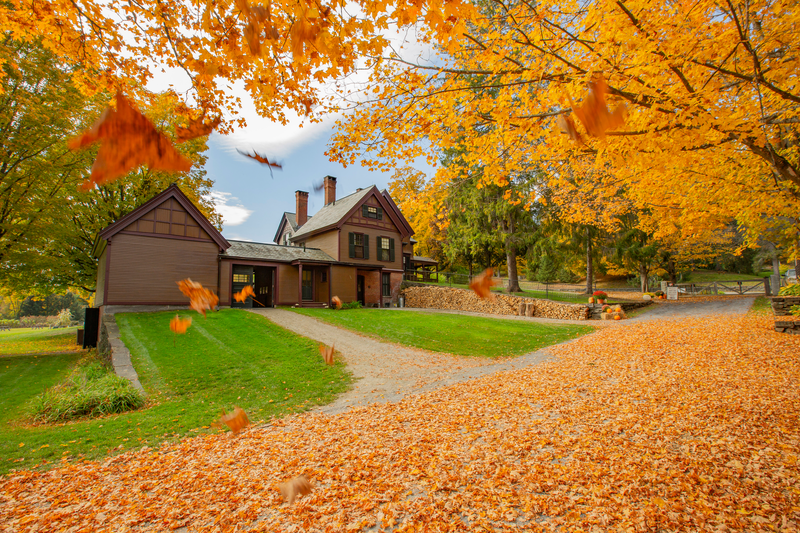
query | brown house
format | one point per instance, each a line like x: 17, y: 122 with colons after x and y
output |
x: 354, y: 248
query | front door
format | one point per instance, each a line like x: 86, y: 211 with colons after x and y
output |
x: 264, y: 286
x: 360, y: 290
x: 308, y: 285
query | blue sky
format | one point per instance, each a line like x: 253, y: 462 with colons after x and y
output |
x: 251, y: 201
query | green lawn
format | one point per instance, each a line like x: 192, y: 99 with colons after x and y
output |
x: 455, y: 334
x: 709, y: 276
x: 231, y: 358
x: 24, y: 341
x: 761, y: 306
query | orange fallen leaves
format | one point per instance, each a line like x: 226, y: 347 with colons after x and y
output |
x: 263, y: 160
x: 337, y: 302
x: 200, y: 298
x: 244, y: 293
x: 128, y: 139
x: 327, y: 353
x: 180, y: 325
x: 482, y: 284
x: 686, y: 425
x: 298, y: 486
x: 236, y: 421
x: 196, y: 128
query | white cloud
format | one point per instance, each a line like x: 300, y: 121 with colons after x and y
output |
x: 233, y: 213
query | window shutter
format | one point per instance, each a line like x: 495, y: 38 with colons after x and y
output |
x: 391, y: 250
x: 366, y: 246
x: 364, y: 211
x: 380, y: 213
x: 352, y: 245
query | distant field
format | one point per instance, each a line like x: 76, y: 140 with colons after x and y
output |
x: 38, y: 341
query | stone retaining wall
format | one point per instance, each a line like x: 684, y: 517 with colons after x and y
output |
x: 431, y: 297
x: 781, y: 304
x: 787, y: 325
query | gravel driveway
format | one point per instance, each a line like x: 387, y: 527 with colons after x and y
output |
x: 387, y: 372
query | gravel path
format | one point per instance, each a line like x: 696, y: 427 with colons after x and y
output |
x: 387, y: 372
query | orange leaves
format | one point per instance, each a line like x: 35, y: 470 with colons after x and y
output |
x: 258, y: 18
x: 128, y: 140
x: 593, y: 113
x: 242, y: 296
x: 236, y: 421
x: 180, y: 325
x: 200, y: 298
x: 196, y: 128
x: 298, y: 486
x: 482, y: 284
x: 263, y: 160
x: 336, y: 302
x: 327, y: 353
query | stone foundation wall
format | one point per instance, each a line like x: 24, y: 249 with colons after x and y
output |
x: 429, y: 297
x: 781, y: 304
x: 787, y: 325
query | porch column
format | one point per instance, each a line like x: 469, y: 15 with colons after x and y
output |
x: 300, y: 284
x: 330, y: 284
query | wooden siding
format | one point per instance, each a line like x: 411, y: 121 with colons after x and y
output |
x: 146, y: 269
x: 343, y: 279
x: 287, y: 230
x: 101, y: 279
x: 169, y: 218
x: 287, y: 284
x: 225, y: 283
x: 328, y: 242
x: 385, y: 224
x: 373, y: 246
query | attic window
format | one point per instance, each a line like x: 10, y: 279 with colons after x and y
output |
x: 369, y: 211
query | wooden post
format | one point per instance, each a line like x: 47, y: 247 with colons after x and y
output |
x: 529, y: 309
x: 521, y: 308
x: 300, y: 284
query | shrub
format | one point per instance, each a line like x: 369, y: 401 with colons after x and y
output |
x: 790, y: 290
x: 91, y: 390
x: 64, y: 318
x: 795, y: 310
x: 11, y: 323
x: 352, y: 305
x: 600, y: 294
x: 566, y: 275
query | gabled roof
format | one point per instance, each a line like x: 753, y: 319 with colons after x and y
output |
x: 170, y: 192
x: 287, y: 218
x: 275, y: 252
x: 336, y: 213
x: 397, y: 211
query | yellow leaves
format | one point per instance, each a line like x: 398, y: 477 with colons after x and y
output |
x: 128, y: 140
x: 198, y: 127
x: 200, y: 298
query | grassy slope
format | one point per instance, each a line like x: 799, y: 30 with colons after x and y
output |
x: 231, y: 358
x: 456, y: 334
x: 29, y: 341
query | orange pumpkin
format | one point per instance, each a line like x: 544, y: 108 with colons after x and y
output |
x: 591, y: 299
x: 617, y: 317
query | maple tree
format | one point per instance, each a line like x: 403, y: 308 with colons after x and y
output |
x: 712, y: 106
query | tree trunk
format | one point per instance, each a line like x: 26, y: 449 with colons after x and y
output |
x: 673, y: 272
x: 511, y: 261
x: 643, y: 275
x: 589, y: 264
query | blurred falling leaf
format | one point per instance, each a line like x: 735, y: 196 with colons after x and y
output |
x: 257, y: 16
x: 318, y: 186
x: 594, y: 114
x: 200, y: 298
x: 180, y: 325
x: 298, y: 486
x: 263, y: 160
x: 128, y: 139
x: 327, y: 353
x: 236, y: 421
x: 242, y: 296
x: 337, y: 302
x: 482, y: 284
x: 567, y: 125
x: 196, y: 128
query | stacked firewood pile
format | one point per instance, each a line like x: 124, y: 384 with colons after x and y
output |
x: 465, y: 300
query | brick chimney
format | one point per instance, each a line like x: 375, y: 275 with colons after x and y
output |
x: 329, y: 183
x: 301, y: 209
